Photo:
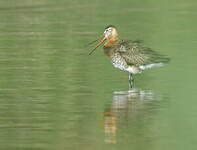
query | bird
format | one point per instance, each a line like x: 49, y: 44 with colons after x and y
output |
x: 127, y: 55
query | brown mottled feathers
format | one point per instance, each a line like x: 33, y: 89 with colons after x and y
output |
x: 136, y: 54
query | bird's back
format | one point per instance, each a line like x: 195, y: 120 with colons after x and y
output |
x: 134, y: 53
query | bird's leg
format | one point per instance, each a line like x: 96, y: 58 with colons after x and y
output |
x: 131, y: 81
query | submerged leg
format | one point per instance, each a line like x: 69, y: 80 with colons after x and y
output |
x: 131, y: 81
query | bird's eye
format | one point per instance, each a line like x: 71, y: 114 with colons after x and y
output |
x: 107, y: 31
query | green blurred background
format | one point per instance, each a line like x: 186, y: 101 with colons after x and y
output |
x: 53, y: 96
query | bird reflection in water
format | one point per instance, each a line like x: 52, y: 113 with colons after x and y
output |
x: 126, y: 105
x: 110, y: 127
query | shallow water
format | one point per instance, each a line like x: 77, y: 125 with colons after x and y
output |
x: 54, y: 96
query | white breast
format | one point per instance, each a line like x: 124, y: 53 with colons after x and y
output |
x: 119, y: 62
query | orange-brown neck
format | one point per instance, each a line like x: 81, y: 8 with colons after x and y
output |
x: 111, y: 41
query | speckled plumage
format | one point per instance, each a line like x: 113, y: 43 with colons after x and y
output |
x: 126, y: 54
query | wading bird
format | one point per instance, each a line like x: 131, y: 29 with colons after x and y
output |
x: 130, y: 56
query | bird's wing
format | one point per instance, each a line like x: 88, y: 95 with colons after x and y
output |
x: 135, y: 53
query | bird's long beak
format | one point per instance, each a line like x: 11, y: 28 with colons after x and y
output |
x: 102, y: 40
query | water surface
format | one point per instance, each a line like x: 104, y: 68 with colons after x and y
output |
x: 54, y: 96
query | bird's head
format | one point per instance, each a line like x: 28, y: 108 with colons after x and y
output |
x: 109, y: 37
x: 110, y: 34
